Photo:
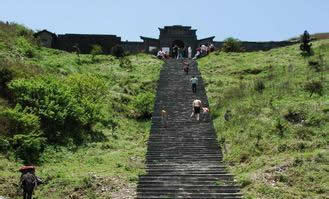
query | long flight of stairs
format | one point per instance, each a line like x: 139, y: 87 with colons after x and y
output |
x: 184, y: 159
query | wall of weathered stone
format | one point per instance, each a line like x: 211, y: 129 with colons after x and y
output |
x: 250, y: 46
x: 84, y: 42
x: 168, y: 35
x: 133, y: 46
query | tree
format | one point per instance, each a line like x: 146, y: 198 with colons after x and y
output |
x: 305, y: 47
x: 95, y: 50
x: 232, y: 45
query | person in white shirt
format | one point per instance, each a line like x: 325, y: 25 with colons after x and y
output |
x: 204, y: 49
x: 211, y: 47
x: 160, y: 54
x: 164, y: 118
x: 189, y: 51
x: 194, y: 81
x: 197, y: 54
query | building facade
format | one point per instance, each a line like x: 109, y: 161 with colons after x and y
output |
x: 182, y: 36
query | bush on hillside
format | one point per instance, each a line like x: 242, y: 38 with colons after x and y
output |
x: 314, y: 87
x: 125, y: 63
x: 4, y: 144
x: 144, y: 105
x: 90, y: 91
x: 66, y: 108
x: 95, y: 50
x: 21, y: 130
x: 28, y: 147
x: 118, y: 51
x: 25, y: 47
x: 259, y: 86
x: 232, y: 45
x: 16, y: 121
x: 6, y: 76
x: 317, y: 63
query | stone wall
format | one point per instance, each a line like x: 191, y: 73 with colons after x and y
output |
x: 84, y: 42
x: 250, y: 46
x: 168, y: 36
x: 133, y: 46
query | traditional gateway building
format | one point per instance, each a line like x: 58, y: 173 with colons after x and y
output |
x: 182, y: 36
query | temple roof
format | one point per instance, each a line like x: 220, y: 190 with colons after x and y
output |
x: 177, y: 27
x: 208, y: 38
x: 148, y: 38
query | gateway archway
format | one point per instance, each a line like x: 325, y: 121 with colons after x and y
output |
x: 179, y: 44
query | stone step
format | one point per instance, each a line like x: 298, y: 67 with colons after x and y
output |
x: 188, y: 183
x: 183, y: 160
x: 193, y: 189
x: 184, y: 195
x: 188, y: 176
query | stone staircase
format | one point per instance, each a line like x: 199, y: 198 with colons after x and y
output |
x: 184, y: 159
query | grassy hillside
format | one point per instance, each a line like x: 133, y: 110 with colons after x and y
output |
x: 276, y: 138
x: 111, y: 100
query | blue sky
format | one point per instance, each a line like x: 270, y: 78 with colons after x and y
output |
x: 247, y: 20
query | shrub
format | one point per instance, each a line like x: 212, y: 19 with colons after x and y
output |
x: 64, y: 109
x: 90, y: 92
x: 28, y: 147
x: 16, y: 121
x: 280, y: 128
x: 118, y: 51
x: 144, y: 105
x: 95, y: 50
x: 4, y: 144
x: 259, y: 86
x: 294, y: 116
x: 125, y: 63
x: 315, y: 65
x: 21, y: 130
x: 232, y: 45
x: 25, y: 47
x: 6, y: 76
x: 314, y: 87
x: 304, y: 133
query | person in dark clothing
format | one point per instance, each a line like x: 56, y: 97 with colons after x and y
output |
x: 186, y: 68
x: 28, y: 181
x: 174, y: 51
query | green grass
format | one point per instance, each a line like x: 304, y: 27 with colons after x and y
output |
x: 108, y: 168
x: 277, y: 138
